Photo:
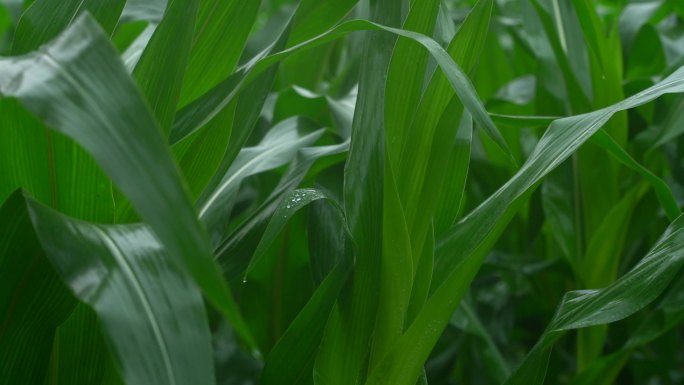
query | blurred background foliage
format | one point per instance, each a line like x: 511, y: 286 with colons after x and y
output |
x: 588, y: 223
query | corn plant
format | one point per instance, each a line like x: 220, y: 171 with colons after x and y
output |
x: 338, y: 192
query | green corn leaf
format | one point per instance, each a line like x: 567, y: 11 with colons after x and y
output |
x: 601, y: 139
x: 598, y: 266
x: 405, y: 77
x: 429, y: 131
x: 315, y: 17
x: 329, y: 241
x: 59, y: 173
x: 71, y: 181
x: 634, y: 16
x: 68, y: 92
x: 148, y: 10
x: 438, y: 120
x: 668, y: 314
x: 33, y: 299
x: 156, y: 145
x: 237, y: 249
x: 599, y: 178
x: 461, y: 251
x: 219, y: 21
x: 624, y: 297
x: 204, y: 109
x: 198, y: 113
x: 665, y: 195
x: 423, y: 277
x: 345, y: 348
x: 290, y: 204
x: 560, y: 212
x: 80, y: 339
x: 277, y: 148
x: 451, y: 196
x: 247, y: 109
x: 123, y: 274
x: 576, y: 97
x: 396, y: 274
x: 50, y: 166
x: 200, y: 154
x: 43, y: 20
x: 291, y: 360
x: 161, y: 68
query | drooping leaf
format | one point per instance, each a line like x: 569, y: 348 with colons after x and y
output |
x: 63, y: 84
x: 277, y: 148
x: 461, y: 251
x: 209, y: 105
x: 289, y: 205
x: 668, y: 314
x: 238, y: 248
x: 152, y: 314
x: 627, y: 295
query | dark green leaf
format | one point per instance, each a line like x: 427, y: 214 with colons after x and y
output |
x: 64, y: 86
x: 152, y: 315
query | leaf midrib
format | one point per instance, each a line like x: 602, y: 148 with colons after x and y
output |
x: 129, y: 273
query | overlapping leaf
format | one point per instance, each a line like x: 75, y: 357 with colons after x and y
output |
x: 78, y: 86
x: 632, y: 292
x: 152, y: 314
x: 461, y: 252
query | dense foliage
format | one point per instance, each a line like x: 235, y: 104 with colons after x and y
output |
x: 339, y: 192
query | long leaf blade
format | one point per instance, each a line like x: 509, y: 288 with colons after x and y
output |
x: 63, y: 85
x: 152, y: 315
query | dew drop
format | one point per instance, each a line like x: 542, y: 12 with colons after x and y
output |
x: 244, y: 279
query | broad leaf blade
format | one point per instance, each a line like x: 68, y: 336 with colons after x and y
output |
x: 76, y: 84
x: 161, y: 68
x: 152, y: 314
x: 224, y: 26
